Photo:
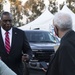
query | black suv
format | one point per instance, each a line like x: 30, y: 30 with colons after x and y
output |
x: 42, y: 44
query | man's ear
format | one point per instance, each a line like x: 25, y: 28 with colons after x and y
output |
x: 0, y: 22
x: 56, y: 30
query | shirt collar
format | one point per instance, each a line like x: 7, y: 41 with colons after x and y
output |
x: 3, y: 31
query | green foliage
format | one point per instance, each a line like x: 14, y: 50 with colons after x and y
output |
x: 71, y: 4
x: 32, y: 9
x: 53, y: 6
x: 16, y: 10
x: 35, y: 7
x: 1, y: 6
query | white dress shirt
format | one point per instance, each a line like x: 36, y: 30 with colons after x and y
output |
x: 3, y: 35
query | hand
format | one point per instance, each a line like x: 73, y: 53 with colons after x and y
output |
x: 25, y: 57
x: 44, y: 70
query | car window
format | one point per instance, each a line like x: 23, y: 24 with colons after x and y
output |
x: 40, y: 37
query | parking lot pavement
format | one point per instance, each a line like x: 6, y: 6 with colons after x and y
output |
x: 36, y: 72
x: 32, y: 71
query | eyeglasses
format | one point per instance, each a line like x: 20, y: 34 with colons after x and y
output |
x: 7, y: 21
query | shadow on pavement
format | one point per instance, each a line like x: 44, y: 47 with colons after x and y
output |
x: 36, y: 72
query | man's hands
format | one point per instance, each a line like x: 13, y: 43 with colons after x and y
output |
x: 25, y: 57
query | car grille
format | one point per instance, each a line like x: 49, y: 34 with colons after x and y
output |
x: 43, y: 55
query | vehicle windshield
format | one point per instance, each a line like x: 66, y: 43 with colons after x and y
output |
x: 40, y: 37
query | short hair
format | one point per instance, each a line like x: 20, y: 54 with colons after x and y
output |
x: 6, y: 13
x: 63, y: 21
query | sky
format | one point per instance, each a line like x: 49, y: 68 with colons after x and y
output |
x: 46, y: 1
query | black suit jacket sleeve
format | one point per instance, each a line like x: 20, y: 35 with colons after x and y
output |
x: 26, y: 46
x: 66, y: 59
x: 63, y: 62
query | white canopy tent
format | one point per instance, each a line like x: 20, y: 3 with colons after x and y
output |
x: 67, y: 10
x: 43, y: 26
x: 43, y: 22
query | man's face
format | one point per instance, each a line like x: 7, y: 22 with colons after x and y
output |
x: 6, y: 22
x: 55, y: 29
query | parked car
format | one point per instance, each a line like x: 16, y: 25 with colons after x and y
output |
x: 42, y: 44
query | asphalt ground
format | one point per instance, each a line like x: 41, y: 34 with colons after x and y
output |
x: 36, y: 72
x: 31, y: 71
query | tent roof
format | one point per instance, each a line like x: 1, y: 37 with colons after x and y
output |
x: 67, y: 10
x: 44, y: 18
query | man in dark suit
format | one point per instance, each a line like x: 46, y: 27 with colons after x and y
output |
x: 63, y: 62
x: 18, y: 44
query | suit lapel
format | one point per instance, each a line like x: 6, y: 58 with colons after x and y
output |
x: 2, y: 42
x: 14, y: 38
x: 1, y: 38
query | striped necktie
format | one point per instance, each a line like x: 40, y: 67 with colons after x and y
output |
x: 7, y: 42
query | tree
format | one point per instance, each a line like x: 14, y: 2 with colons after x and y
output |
x: 16, y: 10
x: 71, y: 4
x: 1, y: 6
x: 53, y: 6
x: 33, y: 9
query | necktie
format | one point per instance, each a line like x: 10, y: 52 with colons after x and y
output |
x: 7, y: 42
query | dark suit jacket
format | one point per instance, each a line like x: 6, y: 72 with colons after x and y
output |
x: 19, y: 44
x: 63, y: 62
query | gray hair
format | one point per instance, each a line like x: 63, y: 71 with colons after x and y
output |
x: 63, y: 21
